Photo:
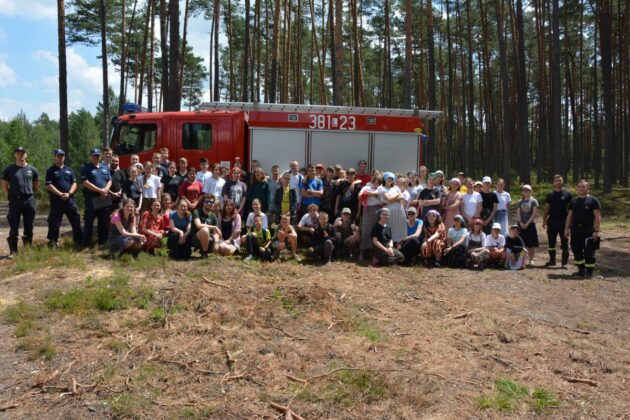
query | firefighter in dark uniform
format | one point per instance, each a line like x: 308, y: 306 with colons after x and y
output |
x: 20, y: 182
x: 554, y: 219
x: 582, y: 226
x: 96, y: 182
x: 61, y: 184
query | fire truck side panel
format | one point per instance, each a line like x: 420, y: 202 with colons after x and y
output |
x: 396, y: 152
x: 345, y: 148
x: 271, y: 146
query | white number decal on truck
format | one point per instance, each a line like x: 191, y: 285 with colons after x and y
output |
x: 328, y: 122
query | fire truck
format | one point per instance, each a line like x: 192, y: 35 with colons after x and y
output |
x: 276, y: 134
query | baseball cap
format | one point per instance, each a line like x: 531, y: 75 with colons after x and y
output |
x: 95, y: 152
x: 477, y: 222
x: 460, y: 218
x: 439, y: 173
x: 351, y: 171
x: 412, y: 210
x: 319, y: 165
x: 58, y: 152
x: 496, y: 226
x: 346, y: 210
x: 338, y: 166
x: 478, y: 183
x: 515, y: 227
x: 527, y: 187
x: 19, y: 149
x: 486, y: 179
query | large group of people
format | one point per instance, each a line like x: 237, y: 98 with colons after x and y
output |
x: 322, y: 212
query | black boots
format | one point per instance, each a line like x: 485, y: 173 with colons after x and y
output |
x: 552, y: 258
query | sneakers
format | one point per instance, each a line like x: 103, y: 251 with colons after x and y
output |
x: 248, y: 258
x: 297, y: 258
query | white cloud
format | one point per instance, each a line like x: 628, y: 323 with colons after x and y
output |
x: 9, y: 108
x: 7, y: 74
x: 29, y: 9
x: 85, y: 81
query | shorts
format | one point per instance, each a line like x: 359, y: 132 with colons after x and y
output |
x: 530, y: 236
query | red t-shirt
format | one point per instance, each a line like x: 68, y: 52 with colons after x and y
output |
x: 190, y: 191
x: 365, y: 178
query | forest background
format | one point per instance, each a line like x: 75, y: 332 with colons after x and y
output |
x: 528, y: 89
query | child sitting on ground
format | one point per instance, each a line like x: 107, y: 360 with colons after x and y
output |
x: 495, y: 242
x: 515, y: 251
x: 323, y: 241
x: 258, y: 241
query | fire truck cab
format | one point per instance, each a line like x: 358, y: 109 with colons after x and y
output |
x: 275, y: 134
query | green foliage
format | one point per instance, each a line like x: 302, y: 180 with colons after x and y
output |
x: 38, y: 257
x: 38, y: 345
x: 126, y: 404
x: 356, y: 385
x: 509, y: 396
x: 368, y: 331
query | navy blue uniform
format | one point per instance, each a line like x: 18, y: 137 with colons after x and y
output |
x: 558, y: 210
x: 21, y: 202
x: 582, y: 228
x: 62, y: 178
x: 99, y: 176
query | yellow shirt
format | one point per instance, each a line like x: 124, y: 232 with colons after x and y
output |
x: 286, y: 200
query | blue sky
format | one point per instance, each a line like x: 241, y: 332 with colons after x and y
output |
x: 28, y: 61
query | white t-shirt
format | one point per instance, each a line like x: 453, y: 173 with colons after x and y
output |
x: 214, y: 186
x: 306, y: 221
x: 407, y: 198
x: 469, y: 203
x: 504, y: 200
x: 371, y: 201
x: 250, y: 220
x: 496, y: 243
x: 152, y: 187
x: 296, y: 182
x: 202, y: 176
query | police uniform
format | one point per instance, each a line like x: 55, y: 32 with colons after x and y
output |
x: 99, y: 176
x: 558, y: 210
x: 21, y: 202
x: 62, y: 178
x: 582, y: 228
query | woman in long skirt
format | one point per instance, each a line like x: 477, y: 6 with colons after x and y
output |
x: 391, y: 195
x: 370, y: 203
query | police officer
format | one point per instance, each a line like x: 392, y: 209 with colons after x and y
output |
x: 61, y: 184
x: 554, y: 219
x: 96, y: 182
x: 582, y: 226
x: 20, y: 182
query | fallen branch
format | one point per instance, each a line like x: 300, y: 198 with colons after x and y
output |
x: 287, y: 333
x: 350, y: 369
x: 75, y: 390
x: 43, y: 382
x: 554, y: 324
x: 216, y: 284
x: 401, y: 334
x: 187, y: 366
x: 131, y: 350
x: 464, y: 315
x: 580, y: 381
x: 288, y: 413
x: 16, y: 402
x: 296, y: 379
x: 504, y: 362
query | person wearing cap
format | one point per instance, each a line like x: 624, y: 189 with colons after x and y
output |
x: 515, y: 250
x: 320, y: 169
x: 489, y: 204
x: 505, y: 199
x: 495, y: 243
x: 455, y: 251
x: 410, y: 244
x: 338, y: 169
x: 554, y: 219
x: 526, y: 211
x: 347, y: 233
x: 97, y: 181
x: 471, y: 203
x: 452, y: 202
x: 434, y: 236
x: 384, y: 251
x: 583, y: 228
x: 20, y: 182
x: 61, y: 184
x: 430, y: 198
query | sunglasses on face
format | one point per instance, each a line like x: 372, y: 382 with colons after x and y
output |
x: 208, y: 202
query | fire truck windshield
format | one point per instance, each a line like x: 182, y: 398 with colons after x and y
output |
x: 130, y: 138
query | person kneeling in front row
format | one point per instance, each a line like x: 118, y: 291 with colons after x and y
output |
x: 180, y: 228
x: 384, y: 251
x: 323, y: 239
x: 123, y: 236
x: 258, y: 241
x: 285, y: 237
x: 515, y: 251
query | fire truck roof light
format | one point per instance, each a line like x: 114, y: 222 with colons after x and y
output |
x: 246, y: 106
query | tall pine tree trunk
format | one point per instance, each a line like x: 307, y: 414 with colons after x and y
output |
x: 338, y: 51
x: 63, y: 78
x: 554, y: 71
x: 217, y: 75
x: 523, y: 103
x: 408, y: 53
x: 106, y: 111
x: 604, y: 21
x: 123, y: 57
x: 174, y: 102
x: 508, y: 123
x: 275, y: 53
x: 164, y: 90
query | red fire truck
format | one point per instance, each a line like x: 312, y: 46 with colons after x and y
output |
x: 275, y: 134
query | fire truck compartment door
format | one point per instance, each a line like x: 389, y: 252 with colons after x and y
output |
x: 277, y: 147
x: 344, y: 148
x: 396, y: 152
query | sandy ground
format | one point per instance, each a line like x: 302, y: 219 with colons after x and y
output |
x: 341, y: 341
